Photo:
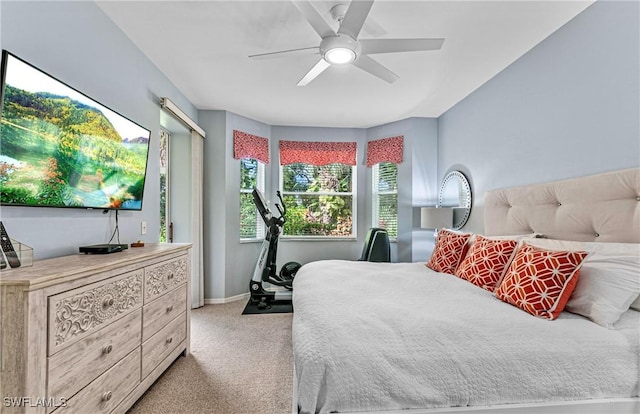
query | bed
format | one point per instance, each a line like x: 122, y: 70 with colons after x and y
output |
x: 401, y: 337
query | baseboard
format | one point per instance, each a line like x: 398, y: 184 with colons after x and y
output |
x: 216, y: 301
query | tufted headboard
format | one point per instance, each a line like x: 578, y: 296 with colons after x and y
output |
x: 602, y: 207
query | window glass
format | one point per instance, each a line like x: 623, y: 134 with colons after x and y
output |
x: 251, y: 176
x: 320, y: 200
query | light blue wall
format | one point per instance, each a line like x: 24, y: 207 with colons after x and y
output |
x: 569, y: 107
x: 214, y: 207
x: 78, y: 44
x: 228, y: 264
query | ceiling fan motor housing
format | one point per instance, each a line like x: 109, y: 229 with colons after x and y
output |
x: 340, y: 43
x: 338, y: 11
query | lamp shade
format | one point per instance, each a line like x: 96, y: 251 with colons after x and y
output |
x: 436, y: 217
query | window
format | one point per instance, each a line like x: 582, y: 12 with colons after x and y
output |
x: 251, y: 176
x: 320, y: 199
x: 383, y: 156
x: 164, y: 188
x: 385, y: 197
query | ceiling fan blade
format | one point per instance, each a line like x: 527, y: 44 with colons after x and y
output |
x: 316, y: 21
x: 354, y: 19
x: 372, y: 46
x: 317, y: 69
x: 373, y: 28
x: 288, y: 53
x: 367, y: 64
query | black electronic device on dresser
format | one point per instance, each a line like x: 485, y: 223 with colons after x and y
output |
x: 103, y: 248
x: 8, y: 251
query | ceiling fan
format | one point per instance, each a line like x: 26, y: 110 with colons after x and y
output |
x: 343, y: 47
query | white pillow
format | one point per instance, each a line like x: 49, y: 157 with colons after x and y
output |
x: 609, y: 279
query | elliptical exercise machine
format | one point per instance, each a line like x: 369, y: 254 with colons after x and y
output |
x: 265, y: 273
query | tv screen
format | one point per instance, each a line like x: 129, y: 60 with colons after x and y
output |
x: 60, y: 148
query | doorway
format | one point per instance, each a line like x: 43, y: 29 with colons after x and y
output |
x: 181, y: 194
x: 175, y: 181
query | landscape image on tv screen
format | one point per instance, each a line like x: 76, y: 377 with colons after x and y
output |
x: 59, y: 148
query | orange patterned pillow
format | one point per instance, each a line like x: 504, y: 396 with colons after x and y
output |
x: 487, y: 262
x: 541, y: 281
x: 450, y: 249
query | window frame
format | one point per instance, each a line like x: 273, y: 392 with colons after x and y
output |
x: 375, y: 198
x: 354, y: 205
x: 261, y: 185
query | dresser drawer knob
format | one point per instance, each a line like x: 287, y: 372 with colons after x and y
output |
x: 106, y: 396
x: 170, y: 276
x: 169, y: 340
x: 169, y: 308
x: 107, y: 349
x: 107, y: 303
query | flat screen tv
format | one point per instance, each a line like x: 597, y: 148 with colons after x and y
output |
x: 60, y: 148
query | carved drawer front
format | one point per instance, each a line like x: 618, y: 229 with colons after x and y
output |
x: 161, y: 311
x: 77, y: 313
x: 77, y: 365
x: 160, y: 345
x: 108, y: 390
x: 162, y: 277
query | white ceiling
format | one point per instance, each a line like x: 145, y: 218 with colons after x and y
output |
x: 203, y: 48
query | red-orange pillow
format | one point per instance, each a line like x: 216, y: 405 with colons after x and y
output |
x: 449, y: 251
x: 541, y: 281
x: 487, y: 261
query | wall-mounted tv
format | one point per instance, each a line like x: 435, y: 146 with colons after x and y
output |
x: 60, y: 148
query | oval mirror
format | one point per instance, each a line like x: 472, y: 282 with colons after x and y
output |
x: 455, y: 193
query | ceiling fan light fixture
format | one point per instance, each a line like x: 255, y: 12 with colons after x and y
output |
x: 339, y: 56
x: 340, y: 49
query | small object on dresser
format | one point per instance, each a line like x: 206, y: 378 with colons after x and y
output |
x: 139, y: 243
x: 103, y: 248
x: 7, y: 248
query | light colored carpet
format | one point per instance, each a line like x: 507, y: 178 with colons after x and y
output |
x: 238, y: 364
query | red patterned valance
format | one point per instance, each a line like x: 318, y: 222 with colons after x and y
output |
x: 317, y: 153
x: 385, y: 150
x: 250, y: 146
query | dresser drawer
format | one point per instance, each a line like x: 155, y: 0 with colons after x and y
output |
x: 77, y: 365
x: 162, y: 343
x: 158, y: 313
x: 162, y: 277
x: 77, y: 313
x: 108, y: 390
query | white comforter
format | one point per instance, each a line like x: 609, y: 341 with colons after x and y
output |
x: 373, y: 336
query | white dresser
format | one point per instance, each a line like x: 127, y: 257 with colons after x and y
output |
x: 90, y: 333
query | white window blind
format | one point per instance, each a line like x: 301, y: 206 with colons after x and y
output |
x: 385, y: 197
